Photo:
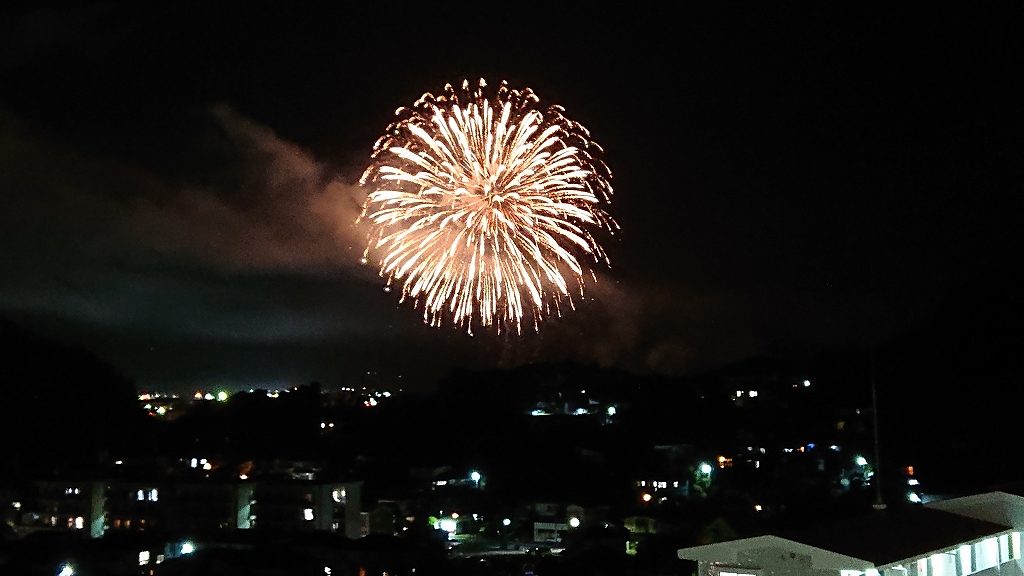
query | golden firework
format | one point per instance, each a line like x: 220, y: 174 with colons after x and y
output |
x: 480, y: 206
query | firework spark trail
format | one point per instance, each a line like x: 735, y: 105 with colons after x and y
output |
x: 480, y: 205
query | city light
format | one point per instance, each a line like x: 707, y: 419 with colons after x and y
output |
x: 574, y: 522
x: 705, y: 468
x: 807, y: 383
x: 860, y: 461
x: 611, y: 410
x: 757, y: 507
x: 66, y: 570
x: 307, y: 514
x: 187, y: 548
x: 448, y: 525
x: 222, y: 396
x: 474, y: 476
x: 913, y: 497
x: 506, y: 522
x: 646, y: 497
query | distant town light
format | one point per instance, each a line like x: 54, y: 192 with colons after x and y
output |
x: 574, y: 522
x: 327, y: 570
x: 757, y: 507
x: 243, y: 476
x: 474, y: 476
x: 207, y: 466
x: 118, y: 462
x: 307, y: 514
x: 455, y: 515
x: 705, y: 468
x: 646, y: 497
x: 753, y: 393
x: 807, y: 383
x: 222, y: 396
x: 187, y: 548
x: 143, y: 557
x: 914, y: 498
x: 506, y: 522
x: 860, y: 461
x: 448, y: 525
x: 611, y: 410
x: 66, y: 570
x: 912, y: 482
x: 193, y: 463
x: 208, y: 396
x: 79, y: 523
x: 161, y: 410
x: 339, y: 496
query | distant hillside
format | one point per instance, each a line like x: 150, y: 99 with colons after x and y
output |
x: 61, y: 405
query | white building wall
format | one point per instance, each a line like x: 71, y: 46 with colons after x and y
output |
x: 766, y: 562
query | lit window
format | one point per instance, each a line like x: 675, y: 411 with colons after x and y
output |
x: 753, y: 393
x: 143, y: 557
x: 963, y: 554
x: 79, y: 523
x: 140, y: 495
x: 307, y: 514
x: 986, y: 554
x: 339, y: 496
x: 943, y: 564
x: 154, y: 495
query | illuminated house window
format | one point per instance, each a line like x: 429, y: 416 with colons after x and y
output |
x: 963, y: 554
x: 79, y: 523
x: 140, y: 495
x: 143, y: 557
x: 307, y: 514
x: 986, y: 554
x: 154, y: 495
x: 944, y: 564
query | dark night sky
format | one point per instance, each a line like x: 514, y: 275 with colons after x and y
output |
x: 179, y: 183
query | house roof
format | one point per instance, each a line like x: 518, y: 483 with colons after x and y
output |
x: 885, y: 537
x: 729, y: 552
x: 876, y: 539
x: 997, y: 507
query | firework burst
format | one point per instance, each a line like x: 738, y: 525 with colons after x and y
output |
x: 482, y: 205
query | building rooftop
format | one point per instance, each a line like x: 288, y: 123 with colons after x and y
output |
x: 884, y: 537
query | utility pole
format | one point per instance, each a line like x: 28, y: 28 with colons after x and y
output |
x: 879, y: 502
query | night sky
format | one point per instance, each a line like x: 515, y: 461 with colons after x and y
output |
x: 179, y: 183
